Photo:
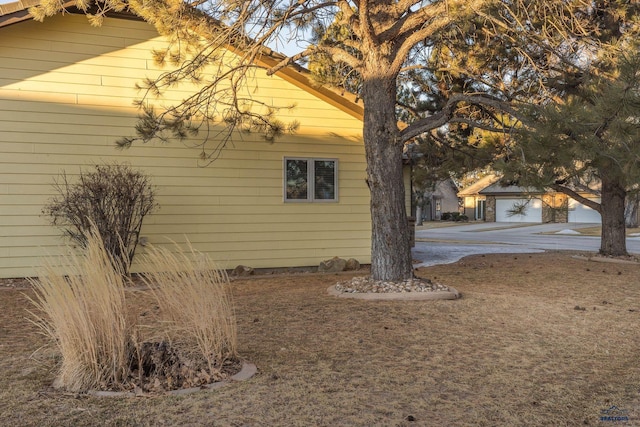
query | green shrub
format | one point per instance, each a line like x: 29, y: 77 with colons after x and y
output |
x: 453, y: 216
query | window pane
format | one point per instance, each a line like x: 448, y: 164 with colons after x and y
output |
x: 325, y: 179
x: 296, y: 180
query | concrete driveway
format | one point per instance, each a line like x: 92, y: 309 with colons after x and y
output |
x: 449, y: 244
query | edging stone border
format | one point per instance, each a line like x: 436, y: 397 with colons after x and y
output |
x: 605, y: 260
x: 248, y: 370
x: 397, y: 296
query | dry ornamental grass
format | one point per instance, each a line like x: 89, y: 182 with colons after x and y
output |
x: 536, y: 340
x: 194, y: 301
x: 83, y: 311
x: 82, y: 307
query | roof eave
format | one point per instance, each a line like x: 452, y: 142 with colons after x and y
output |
x: 301, y: 77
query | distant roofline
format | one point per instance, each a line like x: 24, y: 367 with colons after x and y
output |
x: 498, y: 189
x: 479, y: 185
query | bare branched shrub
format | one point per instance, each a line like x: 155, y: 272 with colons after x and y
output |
x: 84, y: 312
x: 114, y: 197
x: 193, y: 294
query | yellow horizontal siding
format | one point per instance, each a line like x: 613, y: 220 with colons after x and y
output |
x: 61, y: 59
x: 76, y: 27
x: 19, y: 132
x: 24, y: 66
x: 66, y: 92
x: 54, y: 108
x: 48, y: 119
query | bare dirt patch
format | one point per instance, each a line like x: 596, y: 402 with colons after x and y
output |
x: 541, y: 339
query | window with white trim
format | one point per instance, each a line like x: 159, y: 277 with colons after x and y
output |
x: 310, y: 180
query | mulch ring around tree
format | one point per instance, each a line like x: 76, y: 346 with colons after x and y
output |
x: 414, y: 289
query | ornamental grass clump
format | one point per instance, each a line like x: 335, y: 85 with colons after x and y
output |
x: 194, y: 298
x: 83, y: 310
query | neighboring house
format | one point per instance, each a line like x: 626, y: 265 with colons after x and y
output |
x: 66, y: 92
x: 443, y: 198
x: 490, y: 200
x: 511, y: 203
x: 474, y: 204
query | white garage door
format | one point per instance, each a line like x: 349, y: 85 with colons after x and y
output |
x: 531, y: 210
x: 581, y: 213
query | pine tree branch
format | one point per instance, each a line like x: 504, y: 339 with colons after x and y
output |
x: 479, y: 125
x: 293, y: 13
x: 367, y: 33
x: 578, y: 197
x: 409, y: 109
x: 290, y: 60
x: 412, y: 21
x: 336, y: 53
x: 348, y: 15
x: 443, y: 116
x: 409, y: 40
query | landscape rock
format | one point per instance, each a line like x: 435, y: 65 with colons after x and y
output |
x: 352, y: 264
x: 242, y: 270
x: 368, y: 285
x: 332, y: 265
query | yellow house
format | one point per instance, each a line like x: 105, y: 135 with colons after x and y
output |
x: 66, y: 92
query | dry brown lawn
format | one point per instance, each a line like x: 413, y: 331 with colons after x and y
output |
x: 536, y: 340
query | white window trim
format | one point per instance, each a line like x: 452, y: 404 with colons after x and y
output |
x: 310, y: 180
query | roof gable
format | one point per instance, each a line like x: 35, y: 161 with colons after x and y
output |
x: 499, y: 188
x: 480, y: 184
x: 15, y: 12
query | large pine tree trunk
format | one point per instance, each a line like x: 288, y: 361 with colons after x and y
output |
x: 390, y: 245
x: 613, y: 240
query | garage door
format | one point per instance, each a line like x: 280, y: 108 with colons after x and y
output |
x: 581, y: 213
x: 530, y: 210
